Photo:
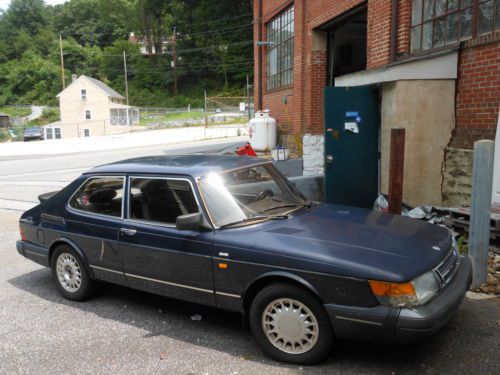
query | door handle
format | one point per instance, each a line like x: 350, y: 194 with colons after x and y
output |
x: 329, y: 159
x: 128, y: 232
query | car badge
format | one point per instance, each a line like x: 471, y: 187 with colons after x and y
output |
x: 437, y: 248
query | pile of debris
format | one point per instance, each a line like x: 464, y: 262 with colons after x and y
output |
x: 492, y: 285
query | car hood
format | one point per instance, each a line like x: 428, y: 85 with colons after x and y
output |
x: 341, y: 240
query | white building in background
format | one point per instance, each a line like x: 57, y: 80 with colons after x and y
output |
x: 90, y: 108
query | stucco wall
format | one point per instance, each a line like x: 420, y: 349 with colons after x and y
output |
x: 425, y: 108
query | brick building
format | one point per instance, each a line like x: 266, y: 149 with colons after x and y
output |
x: 435, y: 65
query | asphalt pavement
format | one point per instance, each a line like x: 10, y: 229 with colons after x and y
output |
x: 121, y: 331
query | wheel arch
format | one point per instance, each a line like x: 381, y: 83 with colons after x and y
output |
x: 273, y: 277
x: 66, y: 241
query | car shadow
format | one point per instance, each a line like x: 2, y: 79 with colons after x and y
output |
x: 221, y: 330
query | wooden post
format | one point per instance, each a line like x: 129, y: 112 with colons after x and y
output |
x: 174, y: 61
x: 482, y: 184
x: 396, y: 170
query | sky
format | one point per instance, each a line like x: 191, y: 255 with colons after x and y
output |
x: 4, y: 4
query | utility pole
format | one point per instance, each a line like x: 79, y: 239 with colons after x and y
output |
x: 248, y: 96
x: 62, y: 62
x: 126, y: 84
x: 174, y: 61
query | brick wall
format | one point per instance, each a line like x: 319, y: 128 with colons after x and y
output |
x: 478, y: 91
x: 403, y: 27
x: 379, y: 33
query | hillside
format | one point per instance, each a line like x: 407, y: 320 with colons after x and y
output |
x: 212, y: 41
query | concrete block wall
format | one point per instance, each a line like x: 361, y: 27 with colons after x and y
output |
x: 314, y: 154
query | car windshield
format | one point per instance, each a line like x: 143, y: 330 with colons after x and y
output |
x: 248, y: 194
x: 32, y: 130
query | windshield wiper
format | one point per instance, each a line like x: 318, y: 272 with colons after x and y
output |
x: 308, y: 205
x: 255, y: 218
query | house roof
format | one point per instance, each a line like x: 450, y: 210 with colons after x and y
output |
x: 104, y: 88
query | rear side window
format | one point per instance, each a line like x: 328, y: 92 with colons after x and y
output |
x: 160, y: 200
x: 100, y: 195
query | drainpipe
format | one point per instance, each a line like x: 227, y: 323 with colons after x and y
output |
x: 394, y: 31
x: 259, y: 38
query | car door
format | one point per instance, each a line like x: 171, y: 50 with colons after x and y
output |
x: 93, y: 220
x: 157, y: 257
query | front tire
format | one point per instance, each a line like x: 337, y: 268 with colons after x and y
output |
x: 291, y: 325
x: 70, y: 274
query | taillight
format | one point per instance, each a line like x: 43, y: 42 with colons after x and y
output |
x: 23, y: 235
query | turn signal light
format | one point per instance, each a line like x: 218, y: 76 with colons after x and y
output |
x: 23, y: 235
x: 223, y: 266
x: 385, y: 289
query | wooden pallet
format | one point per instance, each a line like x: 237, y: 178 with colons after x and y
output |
x: 461, y: 220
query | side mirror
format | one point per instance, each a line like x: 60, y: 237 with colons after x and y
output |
x: 189, y: 221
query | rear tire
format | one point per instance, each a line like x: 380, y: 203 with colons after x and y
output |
x: 70, y: 274
x: 291, y: 325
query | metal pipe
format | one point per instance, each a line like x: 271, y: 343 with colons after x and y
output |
x: 260, y: 54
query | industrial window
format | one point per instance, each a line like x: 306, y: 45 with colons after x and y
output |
x: 280, y: 51
x: 83, y: 94
x: 88, y: 115
x: 437, y: 23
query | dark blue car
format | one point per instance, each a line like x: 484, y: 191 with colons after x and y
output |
x: 234, y: 233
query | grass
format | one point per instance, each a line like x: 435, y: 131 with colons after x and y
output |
x: 153, y: 117
x: 16, y: 111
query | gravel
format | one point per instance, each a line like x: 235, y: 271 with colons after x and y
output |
x: 125, y: 331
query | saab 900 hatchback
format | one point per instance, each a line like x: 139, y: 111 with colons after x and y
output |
x: 234, y: 233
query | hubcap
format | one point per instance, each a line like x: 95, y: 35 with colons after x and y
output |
x: 290, y: 326
x: 68, y: 272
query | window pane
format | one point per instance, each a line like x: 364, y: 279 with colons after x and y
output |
x: 440, y: 8
x: 438, y: 35
x: 161, y: 200
x: 452, y: 5
x: 485, y: 17
x: 57, y: 133
x: 103, y: 195
x: 428, y: 9
x: 466, y: 23
x: 415, y: 38
x: 452, y: 28
x: 497, y: 16
x: 427, y: 36
x: 416, y: 12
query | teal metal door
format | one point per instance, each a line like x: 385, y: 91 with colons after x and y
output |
x: 351, y: 145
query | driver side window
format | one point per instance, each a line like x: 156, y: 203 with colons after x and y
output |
x: 160, y: 200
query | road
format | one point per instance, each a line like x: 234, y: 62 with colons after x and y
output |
x: 22, y: 179
x: 124, y: 331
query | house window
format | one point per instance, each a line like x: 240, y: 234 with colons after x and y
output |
x: 83, y: 94
x: 52, y: 133
x: 86, y: 133
x: 88, y: 115
x: 280, y: 51
x: 437, y: 23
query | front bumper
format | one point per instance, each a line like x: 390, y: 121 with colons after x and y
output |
x: 33, y: 252
x: 394, y: 324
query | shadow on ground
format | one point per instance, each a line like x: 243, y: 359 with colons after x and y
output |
x: 468, y: 343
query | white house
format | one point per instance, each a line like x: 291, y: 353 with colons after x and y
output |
x: 88, y: 108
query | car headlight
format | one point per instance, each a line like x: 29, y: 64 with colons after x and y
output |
x: 415, y: 293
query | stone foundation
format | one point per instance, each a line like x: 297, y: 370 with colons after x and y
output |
x: 313, y: 154
x: 457, y: 177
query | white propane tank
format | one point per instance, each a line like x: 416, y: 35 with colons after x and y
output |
x: 262, y: 129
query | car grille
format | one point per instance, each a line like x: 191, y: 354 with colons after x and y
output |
x: 447, y: 268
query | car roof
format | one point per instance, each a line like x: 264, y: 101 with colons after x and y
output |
x: 191, y: 165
